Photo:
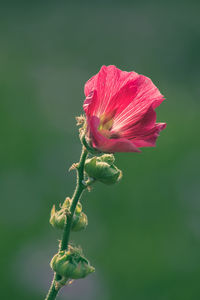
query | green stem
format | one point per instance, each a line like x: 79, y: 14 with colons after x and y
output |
x: 80, y: 187
x: 52, y: 293
x: 77, y: 193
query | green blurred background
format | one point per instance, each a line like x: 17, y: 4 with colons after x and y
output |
x: 144, y: 233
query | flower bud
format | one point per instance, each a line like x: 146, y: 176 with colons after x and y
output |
x: 60, y: 263
x: 102, y: 169
x: 71, y: 264
x: 82, y: 269
x: 80, y: 222
x: 58, y: 218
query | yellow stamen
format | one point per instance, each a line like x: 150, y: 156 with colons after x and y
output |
x: 106, y: 122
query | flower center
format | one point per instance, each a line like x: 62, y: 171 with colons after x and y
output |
x: 105, y: 126
x: 106, y: 122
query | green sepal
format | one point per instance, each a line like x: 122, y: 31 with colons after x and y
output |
x: 102, y: 169
x: 80, y: 222
x: 59, y: 218
x: 71, y: 264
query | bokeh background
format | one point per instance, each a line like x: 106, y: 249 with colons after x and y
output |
x: 144, y: 233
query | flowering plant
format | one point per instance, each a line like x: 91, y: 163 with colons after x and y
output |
x: 119, y: 117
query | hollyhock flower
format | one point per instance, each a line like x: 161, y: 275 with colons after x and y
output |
x: 120, y: 110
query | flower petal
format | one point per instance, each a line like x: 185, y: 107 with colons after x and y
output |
x: 148, y: 138
x: 107, y: 83
x: 90, y: 102
x: 146, y: 131
x: 147, y: 96
x: 146, y: 122
x: 126, y: 94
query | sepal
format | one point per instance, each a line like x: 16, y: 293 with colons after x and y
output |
x: 102, y: 168
x: 80, y: 222
x: 59, y: 218
x: 71, y: 264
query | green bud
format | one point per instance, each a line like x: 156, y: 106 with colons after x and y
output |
x: 82, y: 269
x: 99, y: 169
x: 58, y: 218
x: 71, y: 264
x: 80, y: 222
x: 61, y: 264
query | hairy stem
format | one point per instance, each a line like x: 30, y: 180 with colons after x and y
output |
x: 80, y: 186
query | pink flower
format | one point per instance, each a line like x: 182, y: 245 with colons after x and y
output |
x: 119, y: 107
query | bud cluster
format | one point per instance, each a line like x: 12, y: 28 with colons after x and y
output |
x: 102, y: 168
x: 59, y: 218
x: 71, y: 264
